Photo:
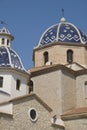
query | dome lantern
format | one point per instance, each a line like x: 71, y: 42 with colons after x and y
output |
x: 8, y: 57
x: 5, y: 37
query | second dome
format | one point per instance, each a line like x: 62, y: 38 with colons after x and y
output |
x: 63, y: 32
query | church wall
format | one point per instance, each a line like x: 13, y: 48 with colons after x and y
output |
x: 86, y: 55
x: 81, y: 90
x: 6, y: 82
x: 6, y: 108
x: 60, y: 54
x: 23, y: 85
x: 8, y: 90
x: 57, y: 89
x: 21, y: 120
x: 4, y: 97
x: 5, y: 90
x: 68, y: 91
x: 48, y: 87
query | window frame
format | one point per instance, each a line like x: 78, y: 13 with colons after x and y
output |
x: 36, y: 114
x: 85, y: 89
x: 8, y: 42
x: 1, y: 81
x: 46, y: 57
x: 3, y: 41
x: 30, y: 86
x: 18, y: 84
x: 70, y: 56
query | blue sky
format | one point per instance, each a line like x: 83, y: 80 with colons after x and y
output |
x: 28, y: 19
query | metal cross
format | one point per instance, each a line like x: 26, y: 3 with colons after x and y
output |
x: 62, y: 12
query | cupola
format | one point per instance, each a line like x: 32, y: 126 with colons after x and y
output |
x: 8, y: 57
x: 5, y: 37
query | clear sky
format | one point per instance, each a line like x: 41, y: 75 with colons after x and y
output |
x: 28, y: 19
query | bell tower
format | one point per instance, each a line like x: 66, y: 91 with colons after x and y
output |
x: 62, y: 43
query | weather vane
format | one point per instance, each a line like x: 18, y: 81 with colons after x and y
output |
x: 62, y: 12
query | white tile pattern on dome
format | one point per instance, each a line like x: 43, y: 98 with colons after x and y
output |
x: 9, y: 58
x: 63, y: 32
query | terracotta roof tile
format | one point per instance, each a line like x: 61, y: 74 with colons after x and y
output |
x: 75, y: 113
x: 49, y: 68
x: 20, y: 99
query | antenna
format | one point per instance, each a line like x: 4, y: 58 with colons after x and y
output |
x: 62, y: 12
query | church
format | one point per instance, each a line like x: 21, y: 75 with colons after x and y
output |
x: 52, y: 95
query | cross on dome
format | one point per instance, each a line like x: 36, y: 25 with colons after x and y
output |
x: 62, y: 12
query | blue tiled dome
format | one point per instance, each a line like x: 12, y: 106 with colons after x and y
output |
x: 9, y: 58
x: 63, y: 32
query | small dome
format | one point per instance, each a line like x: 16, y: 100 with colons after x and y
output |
x: 63, y: 32
x: 9, y: 58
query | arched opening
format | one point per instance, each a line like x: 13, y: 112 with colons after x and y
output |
x: 18, y: 83
x: 69, y: 56
x: 30, y: 86
x: 46, y: 57
x: 7, y: 42
x: 1, y: 81
x: 3, y: 40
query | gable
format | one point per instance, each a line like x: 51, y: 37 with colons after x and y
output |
x: 30, y: 98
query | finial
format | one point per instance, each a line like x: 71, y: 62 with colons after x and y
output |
x: 63, y: 19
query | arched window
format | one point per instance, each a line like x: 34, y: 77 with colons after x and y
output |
x: 1, y: 82
x: 3, y: 40
x: 18, y: 83
x: 69, y: 56
x: 30, y: 86
x: 46, y: 58
x: 7, y: 42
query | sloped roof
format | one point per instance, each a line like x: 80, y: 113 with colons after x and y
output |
x: 34, y: 96
x: 50, y: 68
x: 75, y: 113
x: 18, y: 100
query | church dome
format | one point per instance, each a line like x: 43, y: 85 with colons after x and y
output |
x: 63, y: 32
x: 8, y: 57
